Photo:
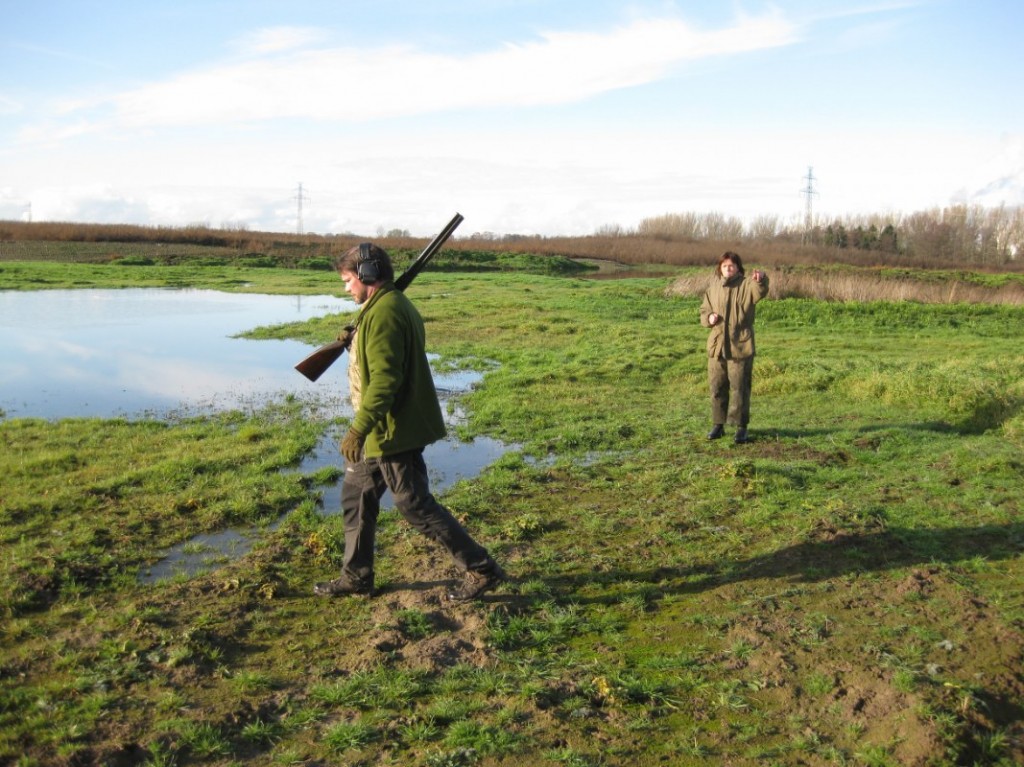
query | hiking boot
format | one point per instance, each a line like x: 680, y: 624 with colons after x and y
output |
x: 716, y: 431
x: 343, y: 586
x: 475, y: 583
x: 741, y: 436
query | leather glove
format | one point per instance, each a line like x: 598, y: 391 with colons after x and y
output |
x: 348, y: 333
x: 352, y: 446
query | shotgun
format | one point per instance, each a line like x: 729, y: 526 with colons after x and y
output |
x: 316, y: 363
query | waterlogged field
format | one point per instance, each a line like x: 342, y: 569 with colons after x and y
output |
x: 846, y: 589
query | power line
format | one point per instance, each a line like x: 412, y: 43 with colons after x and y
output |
x: 810, y: 193
x: 300, y: 196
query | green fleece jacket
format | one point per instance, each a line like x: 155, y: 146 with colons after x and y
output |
x: 732, y: 337
x: 398, y: 410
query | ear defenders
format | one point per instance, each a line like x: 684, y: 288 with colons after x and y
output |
x: 368, y: 266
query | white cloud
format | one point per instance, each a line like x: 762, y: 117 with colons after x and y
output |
x: 537, y: 180
x: 998, y: 179
x: 278, y: 39
x: 351, y: 84
x: 87, y: 202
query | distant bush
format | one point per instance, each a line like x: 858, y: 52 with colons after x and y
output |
x: 497, y: 261
x: 259, y: 262
x: 133, y: 261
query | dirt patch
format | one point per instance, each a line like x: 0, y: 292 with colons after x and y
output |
x: 798, y: 452
x: 422, y: 629
x: 412, y: 623
x: 893, y: 689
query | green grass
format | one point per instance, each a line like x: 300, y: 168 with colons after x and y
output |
x: 40, y: 275
x: 119, y: 265
x: 844, y: 590
x: 88, y: 503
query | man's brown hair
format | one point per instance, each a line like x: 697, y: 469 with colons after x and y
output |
x: 349, y: 262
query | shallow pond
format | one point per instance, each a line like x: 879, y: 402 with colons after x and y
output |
x: 163, y: 352
x: 136, y: 352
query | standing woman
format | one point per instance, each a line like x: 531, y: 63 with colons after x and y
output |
x: 728, y: 309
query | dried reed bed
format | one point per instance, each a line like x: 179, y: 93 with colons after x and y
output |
x: 847, y: 286
x: 44, y: 239
x: 23, y: 240
x: 641, y: 250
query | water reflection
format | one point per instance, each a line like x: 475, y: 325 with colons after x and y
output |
x: 107, y: 353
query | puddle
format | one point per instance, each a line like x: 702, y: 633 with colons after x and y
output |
x: 448, y: 462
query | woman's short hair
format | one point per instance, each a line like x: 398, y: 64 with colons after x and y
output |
x: 729, y: 256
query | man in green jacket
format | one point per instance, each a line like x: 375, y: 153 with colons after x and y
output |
x: 728, y: 309
x: 397, y: 415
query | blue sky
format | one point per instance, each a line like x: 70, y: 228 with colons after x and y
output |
x: 527, y: 116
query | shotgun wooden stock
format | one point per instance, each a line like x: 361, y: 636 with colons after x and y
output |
x: 316, y: 363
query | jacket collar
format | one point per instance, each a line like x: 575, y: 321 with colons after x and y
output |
x: 387, y: 287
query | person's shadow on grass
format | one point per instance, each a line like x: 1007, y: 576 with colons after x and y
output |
x: 811, y: 561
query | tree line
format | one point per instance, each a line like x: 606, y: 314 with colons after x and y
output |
x: 959, y: 235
